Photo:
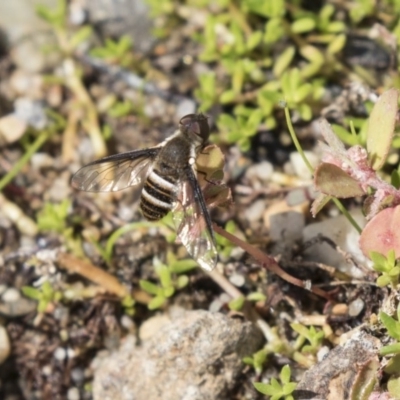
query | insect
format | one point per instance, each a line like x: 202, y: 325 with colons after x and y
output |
x: 167, y: 178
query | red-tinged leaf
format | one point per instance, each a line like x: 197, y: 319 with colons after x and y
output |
x: 382, y: 233
x: 381, y: 127
x: 333, y: 181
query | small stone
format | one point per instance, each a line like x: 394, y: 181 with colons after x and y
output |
x: 237, y: 280
x: 185, y: 107
x: 73, y: 394
x: 255, y: 211
x: 31, y: 111
x: 60, y: 353
x: 262, y: 171
x: 299, y: 166
x: 355, y: 307
x: 4, y: 344
x: 77, y: 375
x: 11, y: 295
x: 11, y: 128
x: 340, y: 309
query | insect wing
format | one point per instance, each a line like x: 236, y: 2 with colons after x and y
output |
x: 193, y: 223
x: 115, y: 172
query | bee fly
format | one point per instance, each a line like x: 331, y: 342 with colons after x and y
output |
x: 167, y: 178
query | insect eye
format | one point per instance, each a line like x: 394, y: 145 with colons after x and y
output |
x: 197, y: 124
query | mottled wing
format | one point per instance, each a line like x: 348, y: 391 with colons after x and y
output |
x: 115, y: 172
x: 193, y: 222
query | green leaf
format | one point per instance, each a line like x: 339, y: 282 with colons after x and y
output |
x: 392, y: 326
x: 168, y: 291
x: 165, y: 276
x: 302, y: 25
x: 254, y: 40
x: 149, y: 287
x: 156, y: 302
x: 237, y: 304
x: 390, y: 349
x: 80, y: 36
x: 337, y: 44
x: 182, y: 281
x: 285, y: 374
x: 256, y: 296
x: 283, y: 61
x: 268, y: 9
x: 274, y: 30
x: 31, y: 292
x: 183, y: 266
x: 264, y: 388
x: 383, y: 280
x: 228, y: 96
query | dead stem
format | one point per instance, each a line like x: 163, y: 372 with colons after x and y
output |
x: 93, y: 273
x: 269, y: 262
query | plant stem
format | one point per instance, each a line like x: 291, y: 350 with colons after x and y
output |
x: 269, y: 262
x: 40, y: 140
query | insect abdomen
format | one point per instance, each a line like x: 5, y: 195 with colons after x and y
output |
x: 157, y: 196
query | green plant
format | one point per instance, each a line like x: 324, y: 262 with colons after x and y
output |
x: 257, y: 360
x: 392, y: 326
x: 45, y: 295
x: 115, y: 51
x: 171, y: 278
x: 237, y: 303
x: 388, y: 267
x: 311, y: 335
x: 67, y: 42
x: 53, y: 217
x: 276, y: 390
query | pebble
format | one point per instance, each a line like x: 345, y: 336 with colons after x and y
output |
x: 340, y: 309
x: 299, y: 167
x: 262, y: 171
x: 31, y: 111
x: 60, y: 353
x: 255, y: 211
x: 11, y: 295
x: 77, y: 375
x: 237, y: 280
x: 5, y: 347
x: 355, y: 307
x: 42, y: 160
x: 73, y: 394
x: 11, y: 128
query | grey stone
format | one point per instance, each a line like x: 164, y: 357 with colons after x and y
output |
x: 195, y: 357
